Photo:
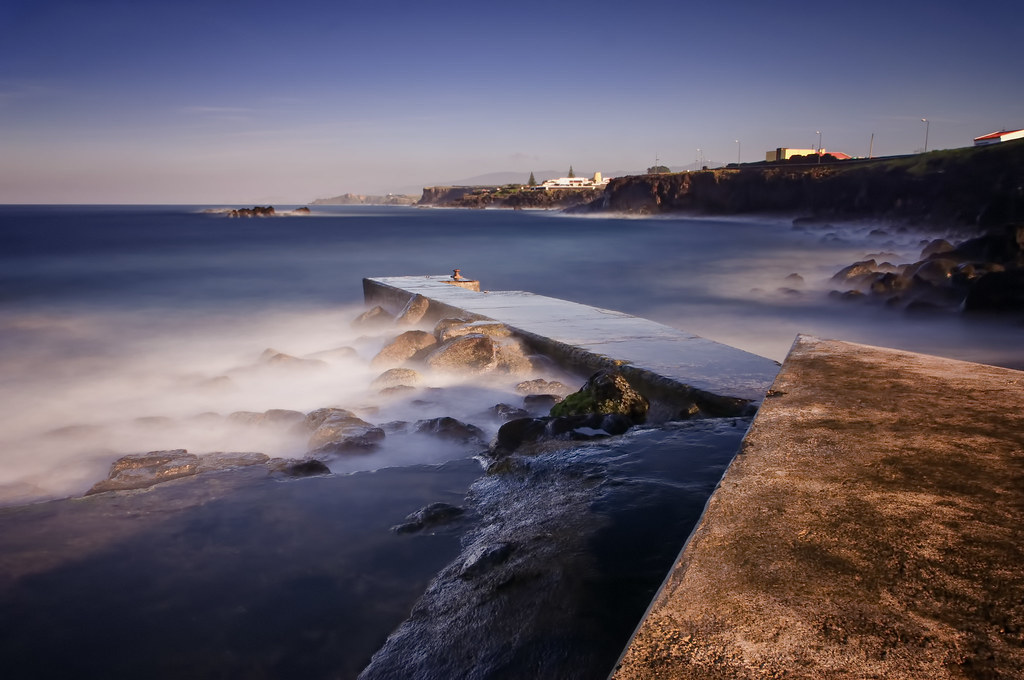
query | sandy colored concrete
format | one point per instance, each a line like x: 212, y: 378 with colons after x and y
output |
x: 872, y: 526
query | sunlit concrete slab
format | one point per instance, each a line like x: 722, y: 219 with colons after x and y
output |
x: 592, y: 337
x: 872, y: 526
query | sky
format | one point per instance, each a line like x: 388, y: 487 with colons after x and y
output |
x: 256, y: 102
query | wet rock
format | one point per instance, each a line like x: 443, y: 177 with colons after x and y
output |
x: 936, y: 247
x: 315, y: 419
x: 846, y: 296
x: 936, y: 270
x: 414, y: 311
x: 484, y: 558
x: 540, y: 403
x: 375, y: 317
x: 856, y: 272
x: 584, y: 427
x: 506, y: 412
x: 403, y: 348
x: 396, y: 377
x: 223, y: 460
x: 449, y: 322
x: 305, y: 468
x: 997, y: 291
x: 604, y: 392
x: 336, y: 354
x: 795, y: 279
x: 435, y: 514
x: 272, y: 357
x: 140, y: 470
x: 491, y: 329
x: 466, y: 354
x: 272, y: 418
x: 516, y: 433
x: 395, y: 426
x: 451, y: 429
x: 541, y: 386
x: 340, y: 433
x: 511, y: 358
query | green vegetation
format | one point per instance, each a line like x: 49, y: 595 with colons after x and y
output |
x: 533, y: 180
x: 658, y: 170
x: 571, y: 173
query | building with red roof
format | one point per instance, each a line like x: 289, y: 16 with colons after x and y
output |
x: 996, y: 137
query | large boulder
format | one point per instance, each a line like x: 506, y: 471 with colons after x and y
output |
x: 451, y: 429
x: 604, y: 392
x: 140, y: 470
x: 466, y: 354
x: 344, y: 433
x: 856, y: 272
x: 374, y: 317
x: 514, y: 435
x: 432, y: 515
x: 511, y: 358
x: 403, y: 348
x: 396, y: 377
x: 997, y: 292
x: 414, y: 311
x: 492, y: 329
x: 272, y: 357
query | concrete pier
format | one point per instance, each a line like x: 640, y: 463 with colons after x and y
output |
x: 872, y: 526
x: 662, y: 362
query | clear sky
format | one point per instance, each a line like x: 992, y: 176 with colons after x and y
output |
x: 225, y: 101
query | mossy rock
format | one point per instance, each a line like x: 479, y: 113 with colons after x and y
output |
x: 605, y: 392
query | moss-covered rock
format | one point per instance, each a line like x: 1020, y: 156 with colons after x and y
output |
x: 604, y: 392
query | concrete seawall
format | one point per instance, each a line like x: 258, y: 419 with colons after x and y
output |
x: 872, y: 526
x: 666, y: 364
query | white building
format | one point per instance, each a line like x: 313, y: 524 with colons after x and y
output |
x: 595, y: 182
x: 996, y: 137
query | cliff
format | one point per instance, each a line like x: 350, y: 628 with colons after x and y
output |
x: 508, y: 196
x: 981, y: 186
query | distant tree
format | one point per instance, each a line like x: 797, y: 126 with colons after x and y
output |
x: 533, y: 180
x: 571, y: 173
x: 658, y: 170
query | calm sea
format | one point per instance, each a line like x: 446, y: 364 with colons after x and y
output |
x: 123, y: 329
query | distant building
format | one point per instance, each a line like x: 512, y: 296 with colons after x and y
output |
x: 595, y: 182
x: 996, y: 137
x: 784, y: 154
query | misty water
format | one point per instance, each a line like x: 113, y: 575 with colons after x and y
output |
x: 133, y: 329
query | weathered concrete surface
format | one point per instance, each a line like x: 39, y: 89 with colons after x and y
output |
x: 872, y: 526
x: 658, y: 357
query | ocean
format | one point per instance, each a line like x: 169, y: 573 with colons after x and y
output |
x: 126, y: 329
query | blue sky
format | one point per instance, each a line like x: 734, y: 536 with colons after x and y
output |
x: 265, y: 102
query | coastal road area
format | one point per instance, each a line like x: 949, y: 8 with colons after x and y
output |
x: 872, y: 526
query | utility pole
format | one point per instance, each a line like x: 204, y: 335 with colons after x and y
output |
x: 871, y: 146
x: 927, y: 124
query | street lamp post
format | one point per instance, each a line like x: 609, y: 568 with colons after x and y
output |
x: 739, y: 150
x: 819, y: 146
x: 927, y: 124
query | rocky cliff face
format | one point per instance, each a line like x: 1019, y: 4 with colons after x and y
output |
x: 974, y: 186
x: 507, y: 197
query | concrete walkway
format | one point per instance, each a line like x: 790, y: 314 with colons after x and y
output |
x: 591, y: 338
x: 872, y: 526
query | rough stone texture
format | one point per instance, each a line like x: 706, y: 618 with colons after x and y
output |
x: 396, y: 377
x: 542, y: 386
x: 464, y: 354
x: 492, y: 329
x: 343, y: 432
x: 139, y: 470
x: 414, y: 311
x: 403, y: 348
x: 374, y: 317
x: 872, y: 526
x: 604, y: 392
